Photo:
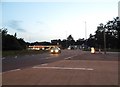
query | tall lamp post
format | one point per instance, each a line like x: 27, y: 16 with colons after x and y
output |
x: 85, y: 30
x: 85, y: 35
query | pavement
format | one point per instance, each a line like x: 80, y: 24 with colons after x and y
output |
x: 77, y: 69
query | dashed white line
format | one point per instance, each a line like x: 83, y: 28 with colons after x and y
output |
x: 64, y: 68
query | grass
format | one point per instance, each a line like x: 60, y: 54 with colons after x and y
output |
x: 113, y: 50
x: 22, y: 52
x: 108, y: 50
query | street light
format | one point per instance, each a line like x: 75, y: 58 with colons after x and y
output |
x: 85, y: 31
x: 85, y: 34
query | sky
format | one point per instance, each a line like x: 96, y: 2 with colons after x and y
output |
x: 45, y: 20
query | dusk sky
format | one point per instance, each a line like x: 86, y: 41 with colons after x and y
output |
x: 45, y: 20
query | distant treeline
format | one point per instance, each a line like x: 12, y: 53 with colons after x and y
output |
x: 111, y: 30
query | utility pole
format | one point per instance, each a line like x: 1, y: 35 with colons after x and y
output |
x: 104, y: 40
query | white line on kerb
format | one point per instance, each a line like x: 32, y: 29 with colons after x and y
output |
x: 63, y: 68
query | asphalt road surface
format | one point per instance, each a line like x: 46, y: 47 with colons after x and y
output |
x: 71, y: 67
x: 20, y: 62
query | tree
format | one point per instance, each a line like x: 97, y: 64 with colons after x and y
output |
x: 80, y: 41
x: 64, y: 43
x: 91, y: 41
x: 22, y: 43
x: 10, y: 42
x: 15, y: 35
x: 112, y: 34
x: 3, y: 31
x: 70, y: 40
x: 99, y: 36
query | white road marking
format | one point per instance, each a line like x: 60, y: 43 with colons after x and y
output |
x: 47, y: 57
x: 63, y: 68
x: 70, y: 57
x: 12, y: 70
x: 44, y: 64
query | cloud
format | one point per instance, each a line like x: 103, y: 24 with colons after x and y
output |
x: 15, y: 24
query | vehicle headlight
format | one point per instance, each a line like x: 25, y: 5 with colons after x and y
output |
x: 56, y: 51
x: 43, y: 48
x: 51, y: 50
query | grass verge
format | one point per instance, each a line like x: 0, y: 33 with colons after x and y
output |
x: 22, y: 52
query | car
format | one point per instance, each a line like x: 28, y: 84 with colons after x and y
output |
x: 55, y: 50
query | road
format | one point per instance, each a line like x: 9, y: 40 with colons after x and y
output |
x: 71, y: 67
x: 20, y: 62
